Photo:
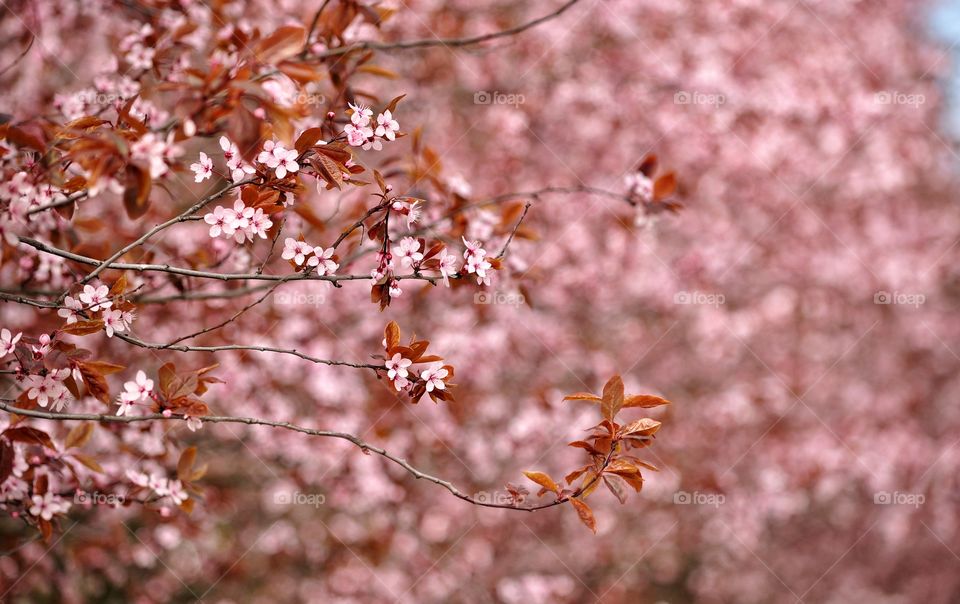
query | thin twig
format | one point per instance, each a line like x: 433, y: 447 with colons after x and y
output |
x: 252, y: 421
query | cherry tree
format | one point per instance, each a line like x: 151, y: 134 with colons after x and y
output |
x: 242, y: 241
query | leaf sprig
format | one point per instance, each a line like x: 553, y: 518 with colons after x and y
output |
x: 607, y: 445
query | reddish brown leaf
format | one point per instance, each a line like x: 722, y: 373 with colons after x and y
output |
x: 612, y: 398
x: 185, y: 464
x: 83, y: 328
x: 79, y: 435
x: 644, y: 400
x: 585, y: 514
x: 282, y: 44
x: 33, y: 436
x: 136, y: 192
x: 543, y: 480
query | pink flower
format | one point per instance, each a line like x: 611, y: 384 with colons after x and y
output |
x: 395, y: 290
x: 397, y: 366
x: 239, y: 169
x: 70, y: 313
x: 322, y: 260
x: 46, y: 505
x: 8, y: 342
x: 641, y: 185
x: 433, y: 376
x: 220, y: 221
x: 43, y: 388
x: 475, y: 261
x: 241, y: 216
x: 448, y: 266
x: 408, y: 251
x: 259, y: 224
x: 140, y: 57
x: 361, y: 114
x: 44, y: 348
x: 295, y: 250
x: 266, y: 156
x: 135, y: 391
x: 96, y: 298
x: 286, y: 161
x: 387, y: 127
x: 113, y: 321
x: 278, y: 157
x: 376, y: 144
x: 355, y: 136
x: 202, y: 169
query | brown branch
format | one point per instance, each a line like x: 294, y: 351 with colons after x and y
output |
x: 183, y: 216
x: 513, y: 233
x: 252, y: 421
x: 449, y: 42
x: 288, y: 351
x: 166, y: 268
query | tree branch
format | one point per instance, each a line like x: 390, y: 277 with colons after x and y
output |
x: 252, y: 421
x: 449, y: 42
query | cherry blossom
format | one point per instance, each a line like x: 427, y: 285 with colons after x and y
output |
x: 259, y: 224
x: 115, y: 321
x: 203, y: 169
x: 220, y: 221
x: 278, y: 157
x: 47, y: 505
x: 357, y: 135
x: 361, y: 114
x: 322, y: 259
x: 134, y: 391
x: 397, y: 366
x: 71, y: 310
x: 433, y: 376
x: 45, y: 342
x: 407, y: 251
x: 296, y: 250
x: 96, y: 297
x: 8, y: 342
x: 44, y: 388
x: 286, y: 161
x: 239, y: 169
x: 475, y: 261
x: 448, y: 266
x: 387, y: 127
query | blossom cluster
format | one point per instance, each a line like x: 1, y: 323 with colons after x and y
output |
x: 308, y: 256
x: 135, y: 391
x: 160, y: 485
x: 476, y: 262
x: 242, y: 222
x: 360, y: 131
x: 96, y: 298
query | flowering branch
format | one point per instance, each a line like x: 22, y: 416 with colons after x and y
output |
x: 366, y: 447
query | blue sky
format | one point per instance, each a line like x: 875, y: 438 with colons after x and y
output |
x: 944, y: 22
